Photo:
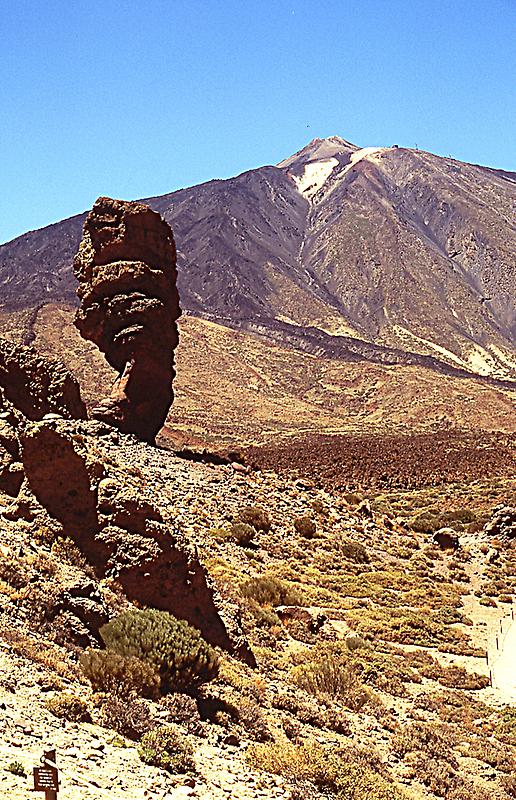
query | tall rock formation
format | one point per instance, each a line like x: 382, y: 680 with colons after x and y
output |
x: 126, y: 267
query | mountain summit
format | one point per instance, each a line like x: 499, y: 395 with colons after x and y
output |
x: 382, y: 253
x: 319, y: 149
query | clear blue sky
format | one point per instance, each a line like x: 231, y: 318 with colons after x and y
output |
x: 133, y: 99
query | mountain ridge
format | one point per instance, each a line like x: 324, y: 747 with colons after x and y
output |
x: 393, y: 247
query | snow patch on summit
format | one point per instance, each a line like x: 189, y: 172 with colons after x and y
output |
x: 315, y: 175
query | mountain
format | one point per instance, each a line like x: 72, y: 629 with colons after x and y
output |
x: 383, y: 254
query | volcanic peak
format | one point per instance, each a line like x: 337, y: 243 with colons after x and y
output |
x: 319, y: 149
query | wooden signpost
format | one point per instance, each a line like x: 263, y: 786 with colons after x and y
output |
x: 46, y: 777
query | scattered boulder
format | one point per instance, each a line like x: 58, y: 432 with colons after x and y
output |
x: 364, y: 509
x: 296, y: 618
x: 446, y: 539
x: 126, y: 267
x: 502, y: 522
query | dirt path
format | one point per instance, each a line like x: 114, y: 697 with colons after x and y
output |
x: 503, y: 664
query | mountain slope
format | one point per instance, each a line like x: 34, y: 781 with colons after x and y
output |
x: 392, y: 247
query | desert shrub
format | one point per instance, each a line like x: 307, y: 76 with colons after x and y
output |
x: 44, y: 565
x: 173, y: 648
x: 351, y: 498
x: 432, y: 520
x: 345, y: 773
x: 355, y: 642
x: 319, y: 507
x: 447, y: 615
x: 183, y: 710
x: 429, y: 738
x: 438, y: 775
x: 505, y: 728
x: 355, y: 551
x: 17, y: 768
x: 113, y: 673
x: 305, y: 526
x: 14, y: 572
x: 336, y: 678
x: 263, y: 617
x: 65, y: 549
x: 252, y: 718
x: 68, y: 706
x: 243, y: 678
x: 508, y: 783
x: 404, y: 625
x: 493, y: 753
x: 270, y: 591
x: 256, y: 517
x: 456, y: 707
x: 242, y: 533
x: 307, y: 709
x: 165, y: 747
x: 128, y: 716
x: 455, y: 677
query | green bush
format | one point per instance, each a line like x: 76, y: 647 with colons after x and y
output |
x: 355, y: 551
x: 327, y: 675
x: 270, y: 591
x: 255, y: 516
x: 174, y: 649
x: 346, y: 773
x: 68, y: 706
x: 17, y: 768
x: 242, y: 533
x: 165, y: 747
x: 112, y: 673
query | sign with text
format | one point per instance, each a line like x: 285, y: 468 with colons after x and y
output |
x: 45, y: 778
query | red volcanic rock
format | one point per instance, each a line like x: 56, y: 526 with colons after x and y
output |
x: 126, y: 267
x: 37, y: 386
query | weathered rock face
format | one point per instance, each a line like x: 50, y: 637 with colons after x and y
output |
x: 502, y: 522
x: 126, y: 267
x: 121, y: 530
x: 37, y: 386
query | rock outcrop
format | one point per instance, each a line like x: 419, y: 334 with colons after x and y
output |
x: 502, y: 522
x: 37, y: 386
x: 126, y: 267
x: 121, y: 530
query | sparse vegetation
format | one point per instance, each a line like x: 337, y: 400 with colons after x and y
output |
x: 305, y: 526
x: 255, y: 516
x: 68, y: 706
x: 345, y: 772
x: 172, y: 648
x: 168, y: 748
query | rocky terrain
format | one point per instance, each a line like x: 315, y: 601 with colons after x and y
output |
x: 356, y: 629
x: 320, y: 573
x: 379, y: 254
x: 235, y: 390
x: 337, y: 527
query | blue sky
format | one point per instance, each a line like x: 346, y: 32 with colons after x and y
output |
x: 134, y: 99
